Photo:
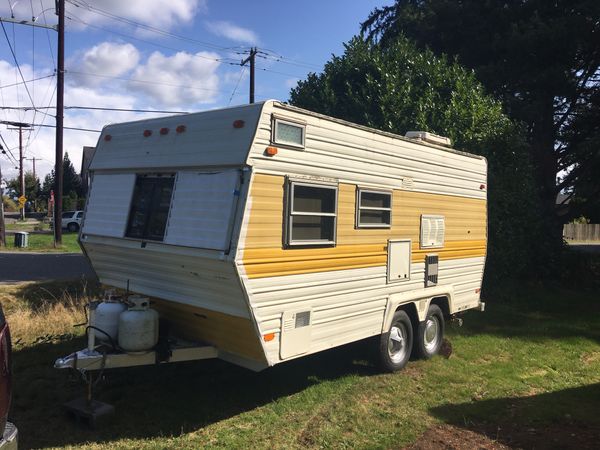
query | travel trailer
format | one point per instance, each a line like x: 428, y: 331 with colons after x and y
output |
x: 265, y: 232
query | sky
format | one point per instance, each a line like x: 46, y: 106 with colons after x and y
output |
x: 175, y: 55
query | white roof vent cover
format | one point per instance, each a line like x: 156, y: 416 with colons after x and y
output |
x: 429, y: 137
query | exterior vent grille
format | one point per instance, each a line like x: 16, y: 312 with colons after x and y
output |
x: 302, y: 319
x: 431, y: 270
x: 407, y: 183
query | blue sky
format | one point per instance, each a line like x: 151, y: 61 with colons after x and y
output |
x: 176, y: 55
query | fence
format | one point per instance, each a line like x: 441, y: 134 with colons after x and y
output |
x: 582, y: 231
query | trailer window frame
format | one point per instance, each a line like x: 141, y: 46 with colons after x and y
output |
x: 290, y: 122
x: 292, y: 212
x: 360, y: 208
x: 153, y: 211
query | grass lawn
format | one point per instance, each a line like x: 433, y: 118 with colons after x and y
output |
x: 45, y: 243
x: 525, y: 373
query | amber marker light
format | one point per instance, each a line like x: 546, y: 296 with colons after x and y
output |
x: 271, y: 151
x: 164, y: 131
x: 147, y: 133
x: 238, y: 124
x: 269, y: 337
x: 180, y: 129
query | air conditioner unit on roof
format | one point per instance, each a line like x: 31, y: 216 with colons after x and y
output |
x: 429, y: 137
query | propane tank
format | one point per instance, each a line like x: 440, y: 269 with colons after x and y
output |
x: 138, y: 326
x: 106, y: 318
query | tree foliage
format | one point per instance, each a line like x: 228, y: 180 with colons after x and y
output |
x: 32, y: 186
x: 401, y: 88
x: 71, y: 180
x: 541, y: 58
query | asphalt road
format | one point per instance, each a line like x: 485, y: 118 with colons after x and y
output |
x: 19, y: 267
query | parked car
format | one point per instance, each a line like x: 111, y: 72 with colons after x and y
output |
x: 8, y: 440
x: 71, y: 220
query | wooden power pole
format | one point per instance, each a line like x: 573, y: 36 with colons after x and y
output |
x: 252, y: 59
x: 2, y: 226
x: 60, y: 92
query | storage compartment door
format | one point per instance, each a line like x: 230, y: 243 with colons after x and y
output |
x: 399, y: 260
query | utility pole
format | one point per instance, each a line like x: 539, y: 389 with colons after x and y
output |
x: 252, y: 59
x: 60, y: 92
x: 2, y: 233
x: 19, y: 126
x: 33, y: 160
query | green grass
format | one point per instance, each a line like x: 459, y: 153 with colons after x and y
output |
x: 45, y: 243
x: 28, y: 226
x: 530, y: 362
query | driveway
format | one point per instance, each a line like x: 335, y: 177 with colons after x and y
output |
x: 19, y: 267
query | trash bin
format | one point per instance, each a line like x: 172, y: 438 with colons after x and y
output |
x: 21, y: 239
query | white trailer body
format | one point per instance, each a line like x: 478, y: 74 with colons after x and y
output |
x: 271, y: 232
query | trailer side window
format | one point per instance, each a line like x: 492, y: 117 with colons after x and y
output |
x: 312, y: 214
x: 373, y: 209
x: 150, y: 205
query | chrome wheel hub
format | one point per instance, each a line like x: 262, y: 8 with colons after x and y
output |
x: 397, y: 343
x: 431, y: 335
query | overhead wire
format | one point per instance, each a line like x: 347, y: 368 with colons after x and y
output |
x: 135, y: 80
x: 3, y: 86
x: 18, y: 67
x: 237, y: 84
x: 118, y: 33
x: 28, y: 139
x: 83, y: 4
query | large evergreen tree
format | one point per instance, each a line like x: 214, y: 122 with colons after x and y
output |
x: 401, y: 88
x: 541, y: 58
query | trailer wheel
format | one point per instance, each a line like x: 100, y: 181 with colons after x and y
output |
x: 430, y: 333
x: 396, y: 344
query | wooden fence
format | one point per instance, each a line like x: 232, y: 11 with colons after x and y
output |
x: 581, y: 231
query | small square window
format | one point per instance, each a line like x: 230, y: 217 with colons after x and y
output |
x: 288, y: 133
x: 150, y: 206
x: 312, y: 214
x: 373, y: 209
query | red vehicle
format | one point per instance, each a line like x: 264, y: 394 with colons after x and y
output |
x: 9, y: 431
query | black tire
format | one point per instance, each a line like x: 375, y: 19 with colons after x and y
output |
x: 396, y: 344
x: 429, y: 334
x: 73, y: 227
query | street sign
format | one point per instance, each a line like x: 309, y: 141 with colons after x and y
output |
x: 22, y: 200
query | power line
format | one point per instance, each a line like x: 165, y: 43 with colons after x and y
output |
x: 80, y: 3
x: 237, y: 84
x: 99, y: 108
x: 77, y: 19
x: 17, y: 63
x: 135, y: 80
x: 66, y: 128
x: 27, y: 81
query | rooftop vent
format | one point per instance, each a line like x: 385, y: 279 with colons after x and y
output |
x: 429, y: 137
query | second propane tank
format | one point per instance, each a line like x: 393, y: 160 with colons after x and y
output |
x: 138, y: 326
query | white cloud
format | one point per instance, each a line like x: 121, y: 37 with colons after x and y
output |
x: 106, y: 59
x: 232, y: 32
x: 180, y: 80
x: 41, y: 142
x: 157, y: 13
